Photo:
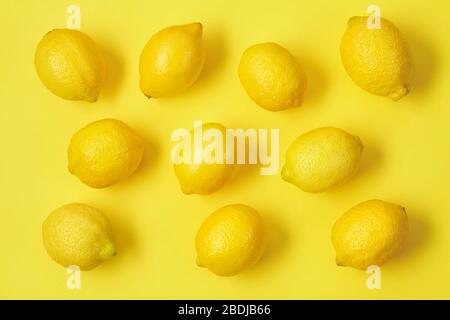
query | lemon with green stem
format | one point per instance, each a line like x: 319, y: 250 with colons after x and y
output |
x: 78, y: 234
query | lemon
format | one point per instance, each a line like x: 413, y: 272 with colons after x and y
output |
x: 104, y: 153
x: 272, y: 77
x: 78, y: 234
x: 230, y: 240
x: 70, y: 65
x: 205, y: 178
x: 172, y: 60
x: 321, y: 159
x: 369, y: 234
x: 376, y: 59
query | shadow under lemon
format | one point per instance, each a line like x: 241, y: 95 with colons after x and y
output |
x: 115, y: 70
x: 318, y: 83
x: 424, y: 62
x: 278, y: 243
x: 370, y: 167
x: 123, y: 232
x: 215, y: 56
x: 418, y: 235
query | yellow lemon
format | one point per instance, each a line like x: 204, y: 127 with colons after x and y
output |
x: 78, y: 234
x: 321, y: 159
x: 104, y: 153
x: 205, y: 177
x: 369, y: 234
x: 376, y: 59
x: 231, y: 240
x: 70, y: 65
x: 172, y: 60
x: 272, y: 77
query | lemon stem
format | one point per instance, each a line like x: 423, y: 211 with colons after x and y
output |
x: 108, y: 251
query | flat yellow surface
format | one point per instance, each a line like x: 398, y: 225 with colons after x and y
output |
x: 406, y: 158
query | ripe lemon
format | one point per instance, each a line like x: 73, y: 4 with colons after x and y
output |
x: 70, y: 65
x: 369, y: 234
x: 376, y: 59
x: 172, y: 60
x: 272, y: 77
x: 321, y: 159
x: 204, y: 178
x: 230, y: 240
x: 78, y: 234
x: 104, y: 153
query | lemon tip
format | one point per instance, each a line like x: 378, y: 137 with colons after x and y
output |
x: 108, y: 251
x: 399, y: 93
x: 285, y: 173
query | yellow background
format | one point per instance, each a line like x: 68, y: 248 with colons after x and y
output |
x: 406, y: 157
